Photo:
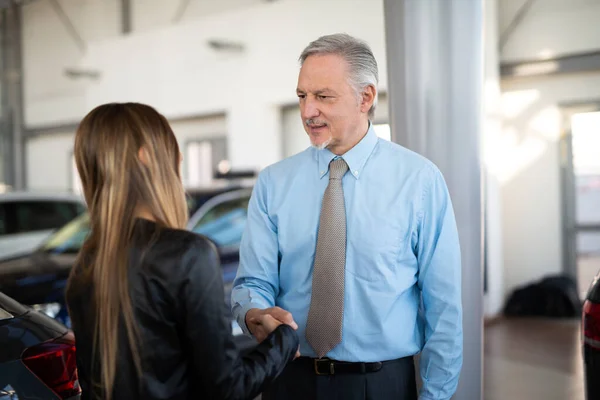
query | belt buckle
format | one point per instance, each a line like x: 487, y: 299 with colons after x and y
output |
x: 326, y: 360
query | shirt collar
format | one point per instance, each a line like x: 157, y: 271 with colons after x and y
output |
x: 356, y: 157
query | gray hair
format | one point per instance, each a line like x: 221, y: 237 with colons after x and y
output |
x: 358, y: 55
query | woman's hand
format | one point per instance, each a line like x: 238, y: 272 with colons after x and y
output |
x: 267, y: 324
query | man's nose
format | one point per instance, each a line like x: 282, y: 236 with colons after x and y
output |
x: 310, y: 109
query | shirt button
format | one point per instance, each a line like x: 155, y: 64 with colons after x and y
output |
x: 355, y: 172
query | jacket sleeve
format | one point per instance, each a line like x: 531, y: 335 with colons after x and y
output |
x: 221, y: 371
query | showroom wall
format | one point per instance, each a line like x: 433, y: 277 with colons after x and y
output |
x: 175, y: 68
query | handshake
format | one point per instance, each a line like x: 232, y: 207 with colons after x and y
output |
x: 262, y: 322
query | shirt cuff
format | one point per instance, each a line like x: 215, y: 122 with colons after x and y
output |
x: 421, y: 397
x: 241, y: 315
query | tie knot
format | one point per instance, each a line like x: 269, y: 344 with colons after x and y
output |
x: 337, y: 168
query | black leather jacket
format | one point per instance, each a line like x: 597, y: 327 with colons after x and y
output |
x: 187, y: 348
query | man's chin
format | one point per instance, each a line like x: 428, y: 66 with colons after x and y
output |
x: 321, y: 146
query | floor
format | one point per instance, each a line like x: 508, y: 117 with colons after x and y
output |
x: 530, y: 359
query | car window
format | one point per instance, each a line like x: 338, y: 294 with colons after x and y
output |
x: 80, y: 208
x: 69, y: 238
x: 2, y: 220
x: 225, y: 222
x: 195, y: 199
x: 31, y: 216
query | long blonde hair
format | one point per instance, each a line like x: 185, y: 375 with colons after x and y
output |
x: 116, y: 180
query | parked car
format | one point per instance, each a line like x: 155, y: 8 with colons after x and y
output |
x: 37, y: 355
x: 591, y: 340
x: 39, y: 279
x: 28, y: 218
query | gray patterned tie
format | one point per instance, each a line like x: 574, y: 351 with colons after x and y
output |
x: 324, y: 325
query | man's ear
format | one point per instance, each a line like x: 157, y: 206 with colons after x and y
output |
x: 368, y: 98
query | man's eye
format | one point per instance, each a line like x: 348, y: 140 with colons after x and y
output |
x: 323, y: 97
x: 301, y: 96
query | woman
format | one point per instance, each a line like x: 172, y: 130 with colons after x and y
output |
x: 146, y: 296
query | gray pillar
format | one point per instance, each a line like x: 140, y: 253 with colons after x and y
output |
x: 126, y: 17
x: 435, y: 75
x: 12, y: 96
x: 491, y: 138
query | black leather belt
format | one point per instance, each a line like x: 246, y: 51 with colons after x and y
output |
x: 325, y: 366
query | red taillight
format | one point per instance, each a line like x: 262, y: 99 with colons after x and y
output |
x: 54, y: 362
x: 591, y: 324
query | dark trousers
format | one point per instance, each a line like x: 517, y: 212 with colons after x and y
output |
x: 395, y: 380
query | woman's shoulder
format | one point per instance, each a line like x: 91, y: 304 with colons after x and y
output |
x: 183, y: 241
x: 177, y: 250
x: 170, y: 235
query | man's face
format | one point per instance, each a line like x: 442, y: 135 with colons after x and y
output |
x: 330, y: 107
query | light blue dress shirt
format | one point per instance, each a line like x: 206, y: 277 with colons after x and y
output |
x: 402, y: 247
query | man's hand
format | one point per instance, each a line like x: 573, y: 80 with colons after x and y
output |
x: 262, y: 322
x: 261, y: 327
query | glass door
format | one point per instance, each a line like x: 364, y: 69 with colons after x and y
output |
x: 585, y: 151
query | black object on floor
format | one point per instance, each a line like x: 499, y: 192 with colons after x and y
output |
x: 553, y: 296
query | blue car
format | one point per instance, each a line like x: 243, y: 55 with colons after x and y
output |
x: 39, y: 279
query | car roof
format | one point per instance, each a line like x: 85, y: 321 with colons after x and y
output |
x: 218, y: 186
x: 215, y: 187
x: 10, y: 307
x: 40, y: 196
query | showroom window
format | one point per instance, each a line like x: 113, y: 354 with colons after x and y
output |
x: 75, y: 181
x: 199, y: 163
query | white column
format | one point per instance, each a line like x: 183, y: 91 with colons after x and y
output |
x: 435, y: 68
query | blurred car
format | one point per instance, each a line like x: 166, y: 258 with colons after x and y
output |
x: 591, y: 340
x: 39, y: 279
x: 28, y: 218
x: 37, y: 355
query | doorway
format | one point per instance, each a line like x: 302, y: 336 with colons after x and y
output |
x: 581, y: 195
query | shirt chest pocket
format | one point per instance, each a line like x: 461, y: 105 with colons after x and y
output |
x: 377, y: 244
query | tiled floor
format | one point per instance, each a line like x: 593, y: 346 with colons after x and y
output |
x: 530, y: 359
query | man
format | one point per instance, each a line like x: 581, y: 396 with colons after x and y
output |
x: 351, y: 241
